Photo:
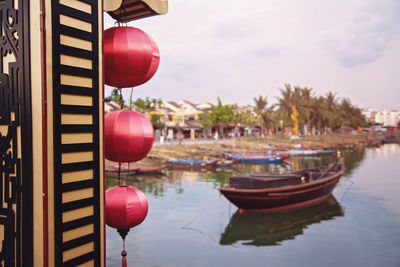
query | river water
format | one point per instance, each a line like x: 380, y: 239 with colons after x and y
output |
x: 190, y: 224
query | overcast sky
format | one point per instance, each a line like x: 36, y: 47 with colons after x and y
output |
x: 238, y: 50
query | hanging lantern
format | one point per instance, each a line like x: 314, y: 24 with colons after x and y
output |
x: 131, y: 57
x: 126, y: 207
x: 128, y: 135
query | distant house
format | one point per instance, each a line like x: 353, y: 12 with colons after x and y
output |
x: 111, y: 106
x: 183, y: 116
x: 206, y: 106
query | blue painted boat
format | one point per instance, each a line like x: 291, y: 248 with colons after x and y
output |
x: 255, y: 159
x: 301, y: 152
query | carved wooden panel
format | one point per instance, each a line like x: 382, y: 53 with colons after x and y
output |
x: 16, y: 175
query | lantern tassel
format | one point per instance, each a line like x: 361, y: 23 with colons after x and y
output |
x: 123, y: 233
x: 123, y: 254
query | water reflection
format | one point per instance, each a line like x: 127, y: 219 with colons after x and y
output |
x: 388, y: 150
x: 367, y: 235
x: 154, y: 185
x: 260, y: 229
x: 352, y: 161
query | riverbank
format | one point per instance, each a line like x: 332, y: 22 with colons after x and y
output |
x: 211, y: 149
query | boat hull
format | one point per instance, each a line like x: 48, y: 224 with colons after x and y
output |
x: 252, y: 158
x: 281, y: 199
x: 192, y: 164
x: 261, y: 161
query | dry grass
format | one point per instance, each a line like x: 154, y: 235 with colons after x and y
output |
x: 159, y: 154
x: 214, y: 150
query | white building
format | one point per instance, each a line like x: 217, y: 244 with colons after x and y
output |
x: 384, y: 117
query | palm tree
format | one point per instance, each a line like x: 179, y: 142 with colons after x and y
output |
x: 261, y: 103
x: 285, y: 103
x: 319, y: 114
x: 331, y: 103
x: 260, y: 109
x: 306, y: 107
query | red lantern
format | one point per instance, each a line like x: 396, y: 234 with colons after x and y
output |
x: 128, y: 135
x: 131, y: 57
x: 126, y: 207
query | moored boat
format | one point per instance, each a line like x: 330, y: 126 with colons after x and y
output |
x: 131, y: 169
x: 301, y: 152
x: 270, y: 192
x: 255, y: 159
x: 226, y: 162
x: 147, y: 169
x: 390, y: 140
x: 192, y: 164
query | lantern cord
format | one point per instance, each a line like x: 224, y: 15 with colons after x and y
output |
x: 122, y: 100
x: 119, y: 173
x: 130, y: 99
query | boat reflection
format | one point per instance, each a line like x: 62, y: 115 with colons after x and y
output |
x: 261, y: 229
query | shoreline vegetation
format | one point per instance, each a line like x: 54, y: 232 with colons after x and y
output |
x: 211, y: 149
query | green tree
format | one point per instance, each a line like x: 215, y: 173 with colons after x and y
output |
x: 147, y: 104
x: 351, y: 115
x: 156, y: 122
x: 116, y: 96
x: 219, y: 116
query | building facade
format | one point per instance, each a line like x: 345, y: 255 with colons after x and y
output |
x: 384, y: 117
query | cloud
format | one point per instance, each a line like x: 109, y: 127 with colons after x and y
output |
x: 364, y: 34
x: 240, y: 49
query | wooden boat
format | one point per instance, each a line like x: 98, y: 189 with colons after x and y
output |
x: 261, y: 229
x: 302, y: 152
x: 277, y: 192
x: 132, y: 169
x: 226, y: 162
x: 112, y: 172
x: 149, y: 169
x: 192, y: 164
x: 390, y: 140
x: 255, y: 159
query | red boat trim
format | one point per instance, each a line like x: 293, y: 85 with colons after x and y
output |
x: 276, y: 196
x: 288, y: 207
